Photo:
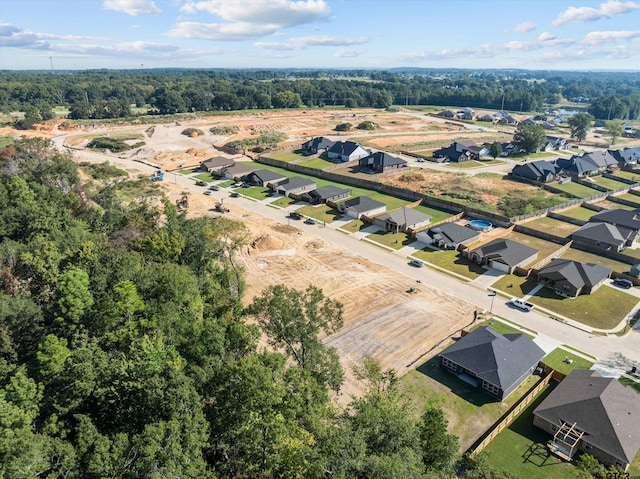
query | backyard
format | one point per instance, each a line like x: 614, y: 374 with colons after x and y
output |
x: 545, y: 248
x: 606, y: 182
x: 436, y: 214
x: 629, y: 197
x: 317, y: 163
x: 629, y: 175
x: 578, y: 213
x: 575, y: 189
x: 552, y: 226
x: 288, y: 156
x: 610, y: 205
x: 585, y: 257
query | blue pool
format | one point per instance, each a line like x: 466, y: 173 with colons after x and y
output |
x: 480, y: 225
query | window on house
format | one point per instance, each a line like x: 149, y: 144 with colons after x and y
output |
x: 449, y: 364
x: 491, y: 388
x: 554, y: 428
x: 588, y: 447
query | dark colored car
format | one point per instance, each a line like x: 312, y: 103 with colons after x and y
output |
x: 623, y: 283
x: 234, y: 195
x: 214, y: 187
x: 201, y: 183
x: 295, y: 215
x: 311, y: 221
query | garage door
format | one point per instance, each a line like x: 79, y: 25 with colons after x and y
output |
x: 499, y: 266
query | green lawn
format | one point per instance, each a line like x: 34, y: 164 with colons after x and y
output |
x: 317, y: 163
x: 632, y: 252
x: 610, y: 205
x: 542, y: 154
x: 630, y: 382
x: 553, y: 226
x: 322, y: 213
x: 226, y: 184
x: 502, y: 327
x: 392, y: 240
x: 545, y: 248
x: 283, y: 202
x: 6, y: 140
x: 584, y: 257
x: 629, y: 197
x: 578, y: 213
x: 607, y: 182
x: 288, y: 156
x: 470, y: 412
x: 629, y: 175
x: 437, y: 215
x: 557, y: 359
x: 354, y: 226
x: 521, y: 450
x: 464, y: 165
x: 424, y: 153
x: 451, y: 260
x: 255, y: 192
x: 204, y: 177
x: 575, y: 189
x: 515, y: 285
x: 187, y: 171
x: 603, y: 309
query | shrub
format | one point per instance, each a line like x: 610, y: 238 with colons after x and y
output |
x: 102, y: 171
x: 192, y: 132
x: 367, y: 125
x: 344, y: 127
x: 224, y: 130
x: 106, y: 143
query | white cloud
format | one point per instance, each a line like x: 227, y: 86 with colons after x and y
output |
x: 342, y: 53
x: 132, y: 7
x: 220, y: 31
x: 300, y: 43
x: 545, y: 37
x: 18, y: 37
x: 595, y: 38
x: 277, y: 46
x: 611, y: 8
x: 524, y: 27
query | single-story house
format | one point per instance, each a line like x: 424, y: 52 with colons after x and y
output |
x: 264, y: 178
x: 317, y: 145
x: 588, y: 164
x: 572, y: 278
x: 324, y: 194
x: 487, y: 118
x: 343, y: 151
x: 528, y: 121
x: 448, y: 235
x: 402, y: 219
x: 626, y: 157
x: 600, y: 236
x: 216, y: 165
x: 361, y: 205
x: 295, y: 185
x: 447, y: 114
x: 555, y: 143
x: 466, y: 114
x: 539, y: 170
x: 590, y: 413
x: 627, y: 222
x: 496, y: 364
x: 380, y: 161
x: 461, y: 151
x: 503, y: 254
x: 239, y: 170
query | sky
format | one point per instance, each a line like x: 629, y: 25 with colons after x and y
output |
x: 345, y: 34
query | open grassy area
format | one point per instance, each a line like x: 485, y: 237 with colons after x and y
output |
x: 470, y: 412
x: 578, y: 213
x: 283, y: 202
x: 606, y: 182
x: 521, y: 450
x: 603, y: 309
x: 502, y: 327
x: 541, y: 155
x: 630, y: 382
x: 584, y: 257
x: 288, y: 155
x: 425, y: 153
x: 463, y: 165
x: 226, y: 184
x: 545, y: 248
x: 558, y: 360
x: 255, y: 192
x: 451, y: 260
x: 437, y: 215
x: 629, y: 197
x: 610, y: 205
x: 392, y: 240
x: 354, y: 226
x: 515, y: 285
x: 629, y: 175
x: 322, y: 213
x: 552, y: 226
x: 632, y: 252
x: 318, y: 163
x: 575, y: 189
x: 204, y: 177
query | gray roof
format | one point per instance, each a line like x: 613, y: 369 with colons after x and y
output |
x: 344, y: 148
x: 217, y: 162
x: 601, y: 233
x: 329, y: 191
x: 626, y: 156
x: 383, y: 159
x: 511, y: 252
x: 576, y: 273
x: 535, y: 170
x: 496, y: 358
x: 362, y: 204
x: 607, y: 411
x: 626, y: 218
x: 294, y: 182
x: 267, y: 175
x: 318, y: 143
x: 241, y: 168
x: 453, y: 232
x: 405, y: 216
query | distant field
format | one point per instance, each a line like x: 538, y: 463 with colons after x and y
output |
x: 6, y: 140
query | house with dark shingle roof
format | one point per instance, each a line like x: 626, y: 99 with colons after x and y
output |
x: 496, y: 364
x: 239, y: 170
x: 588, y: 164
x: 461, y: 151
x: 317, y: 145
x: 402, y: 219
x: 448, y: 235
x: 343, y: 151
x: 572, y: 278
x: 590, y: 413
x: 216, y: 164
x: 627, y: 222
x: 380, y: 161
x: 626, y: 157
x: 361, y: 205
x: 263, y: 178
x: 324, y: 194
x: 540, y: 170
x: 503, y: 254
x: 295, y: 185
x: 599, y: 236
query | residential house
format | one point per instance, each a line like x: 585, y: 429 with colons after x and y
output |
x: 361, y: 205
x: 324, y: 194
x: 627, y: 157
x: 540, y: 118
x: 466, y: 114
x: 627, y: 222
x: 296, y: 185
x: 505, y: 118
x: 448, y: 235
x: 588, y: 164
x: 509, y: 149
x: 216, y: 165
x: 319, y: 144
x: 540, y: 170
x: 447, y: 114
x: 572, y: 278
x: 487, y: 118
x: 403, y: 219
x: 496, y: 364
x: 600, y: 236
x: 548, y: 125
x: 380, y: 161
x: 343, y: 151
x: 590, y: 413
x: 503, y: 254
x: 555, y: 143
x: 264, y: 178
x: 461, y: 151
x: 528, y: 121
x: 239, y: 170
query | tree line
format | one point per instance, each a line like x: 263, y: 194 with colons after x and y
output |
x: 111, y: 94
x: 126, y: 351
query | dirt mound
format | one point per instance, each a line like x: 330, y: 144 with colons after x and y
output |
x: 267, y: 243
x: 197, y: 152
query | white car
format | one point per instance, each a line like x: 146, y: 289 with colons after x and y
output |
x: 418, y: 263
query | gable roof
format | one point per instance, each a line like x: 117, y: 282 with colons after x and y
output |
x: 383, y: 159
x: 510, y: 252
x: 318, y: 143
x: 267, y: 175
x: 453, y: 233
x: 344, y: 148
x: 535, y: 169
x: 496, y: 358
x: 607, y: 411
x: 405, y: 216
x: 626, y: 156
x: 626, y: 218
x: 240, y: 168
x: 217, y: 162
x: 601, y: 233
x: 294, y: 182
x: 600, y: 158
x: 362, y: 204
x: 328, y: 191
x: 576, y: 273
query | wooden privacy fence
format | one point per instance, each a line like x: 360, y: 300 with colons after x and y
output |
x: 516, y: 409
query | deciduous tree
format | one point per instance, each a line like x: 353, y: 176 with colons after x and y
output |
x: 580, y: 125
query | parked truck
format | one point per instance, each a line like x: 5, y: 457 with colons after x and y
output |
x: 158, y: 175
x: 521, y: 304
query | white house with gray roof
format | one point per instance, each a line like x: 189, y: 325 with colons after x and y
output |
x: 503, y: 254
x: 361, y: 205
x: 448, y: 235
x: 402, y: 219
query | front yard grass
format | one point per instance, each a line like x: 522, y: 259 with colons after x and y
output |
x: 575, y: 189
x: 226, y: 184
x: 323, y: 213
x: 470, y: 412
x: 585, y: 257
x: 354, y: 226
x: 255, y: 192
x: 204, y: 177
x: 515, y: 285
x: 451, y: 260
x: 557, y: 359
x: 317, y: 163
x: 463, y: 165
x: 603, y: 309
x: 283, y: 202
x: 545, y: 248
x: 501, y: 327
x: 392, y: 240
x: 610, y: 205
x: 630, y: 382
x: 552, y: 226
x: 521, y: 450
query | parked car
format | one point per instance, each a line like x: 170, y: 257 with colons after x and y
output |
x: 234, y: 195
x: 310, y: 221
x: 201, y: 183
x: 623, y: 283
x: 420, y: 160
x: 207, y: 192
x: 237, y: 185
x: 521, y: 304
x: 418, y: 263
x: 295, y: 215
x: 214, y: 187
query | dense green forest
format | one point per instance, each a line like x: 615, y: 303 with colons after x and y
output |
x: 126, y: 352
x: 110, y: 94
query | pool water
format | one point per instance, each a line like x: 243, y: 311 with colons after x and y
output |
x: 480, y: 225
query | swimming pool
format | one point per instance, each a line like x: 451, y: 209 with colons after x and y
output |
x: 480, y: 225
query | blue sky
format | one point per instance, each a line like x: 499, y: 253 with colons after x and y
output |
x: 532, y: 34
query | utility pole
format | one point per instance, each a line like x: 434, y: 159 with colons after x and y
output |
x: 493, y: 295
